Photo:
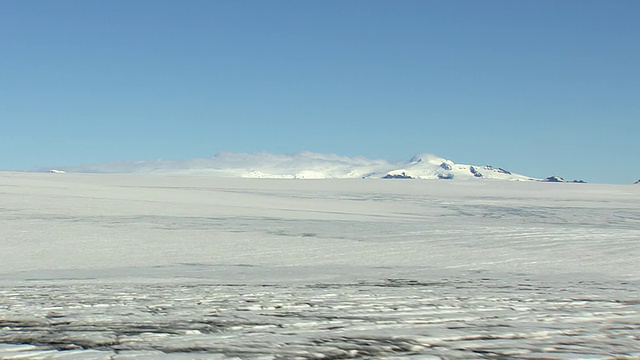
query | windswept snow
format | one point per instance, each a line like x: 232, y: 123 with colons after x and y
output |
x: 120, y: 266
x: 306, y: 165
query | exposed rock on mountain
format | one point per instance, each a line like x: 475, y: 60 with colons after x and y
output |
x: 445, y: 176
x: 447, y: 165
x: 475, y: 171
x: 556, y: 179
x: 402, y: 175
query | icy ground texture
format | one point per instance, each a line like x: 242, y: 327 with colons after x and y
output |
x: 454, y: 318
x: 133, y: 266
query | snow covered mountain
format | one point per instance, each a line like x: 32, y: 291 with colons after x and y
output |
x: 307, y: 165
x: 429, y: 166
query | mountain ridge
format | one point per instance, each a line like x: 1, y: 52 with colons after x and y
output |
x: 307, y: 165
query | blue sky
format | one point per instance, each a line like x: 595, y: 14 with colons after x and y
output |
x: 538, y: 87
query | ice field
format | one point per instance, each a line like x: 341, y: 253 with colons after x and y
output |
x: 121, y: 266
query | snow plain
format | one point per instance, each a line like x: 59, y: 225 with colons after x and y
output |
x: 120, y: 266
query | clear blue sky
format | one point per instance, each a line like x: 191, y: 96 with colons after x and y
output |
x: 538, y: 87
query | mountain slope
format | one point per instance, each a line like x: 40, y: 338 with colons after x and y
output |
x: 307, y: 165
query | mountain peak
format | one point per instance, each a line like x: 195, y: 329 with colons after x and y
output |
x: 427, y: 157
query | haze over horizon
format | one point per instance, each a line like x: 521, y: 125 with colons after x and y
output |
x: 542, y: 88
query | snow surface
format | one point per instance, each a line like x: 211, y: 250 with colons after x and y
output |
x: 306, y: 165
x: 118, y: 266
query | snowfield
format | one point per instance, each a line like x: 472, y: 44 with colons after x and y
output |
x: 121, y: 266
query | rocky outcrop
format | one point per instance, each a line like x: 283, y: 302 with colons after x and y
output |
x: 499, y: 170
x: 402, y: 175
x: 556, y: 179
x: 446, y: 166
x: 637, y: 182
x: 475, y: 171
